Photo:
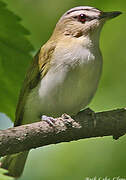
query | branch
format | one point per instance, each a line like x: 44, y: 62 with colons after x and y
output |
x: 85, y: 124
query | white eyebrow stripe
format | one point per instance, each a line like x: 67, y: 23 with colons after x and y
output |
x: 82, y: 9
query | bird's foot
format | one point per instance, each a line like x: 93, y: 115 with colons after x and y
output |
x: 67, y: 119
x: 49, y: 120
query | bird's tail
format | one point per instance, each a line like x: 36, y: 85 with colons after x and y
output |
x: 14, y: 163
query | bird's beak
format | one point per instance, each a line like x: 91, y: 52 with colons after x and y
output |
x: 109, y: 15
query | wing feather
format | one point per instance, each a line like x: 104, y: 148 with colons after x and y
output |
x: 36, y: 72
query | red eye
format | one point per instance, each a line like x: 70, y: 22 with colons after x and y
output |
x: 82, y: 18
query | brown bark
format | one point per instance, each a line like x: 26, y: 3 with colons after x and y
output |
x: 85, y: 124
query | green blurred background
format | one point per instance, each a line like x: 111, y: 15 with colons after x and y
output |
x: 91, y: 157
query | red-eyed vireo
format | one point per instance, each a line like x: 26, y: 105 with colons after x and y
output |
x: 64, y: 74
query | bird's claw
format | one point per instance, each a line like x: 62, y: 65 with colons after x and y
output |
x: 49, y: 120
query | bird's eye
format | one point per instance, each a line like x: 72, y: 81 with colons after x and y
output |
x: 82, y: 18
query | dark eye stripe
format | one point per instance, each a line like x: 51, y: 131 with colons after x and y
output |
x: 87, y: 18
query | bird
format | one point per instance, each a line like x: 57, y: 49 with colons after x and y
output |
x: 64, y: 74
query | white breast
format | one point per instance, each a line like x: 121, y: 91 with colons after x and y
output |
x: 68, y: 86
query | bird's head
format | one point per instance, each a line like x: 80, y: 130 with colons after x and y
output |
x: 82, y: 21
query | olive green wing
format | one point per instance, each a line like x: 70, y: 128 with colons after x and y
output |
x: 36, y: 72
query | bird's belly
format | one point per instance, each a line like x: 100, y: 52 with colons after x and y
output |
x: 63, y: 92
x: 70, y: 91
